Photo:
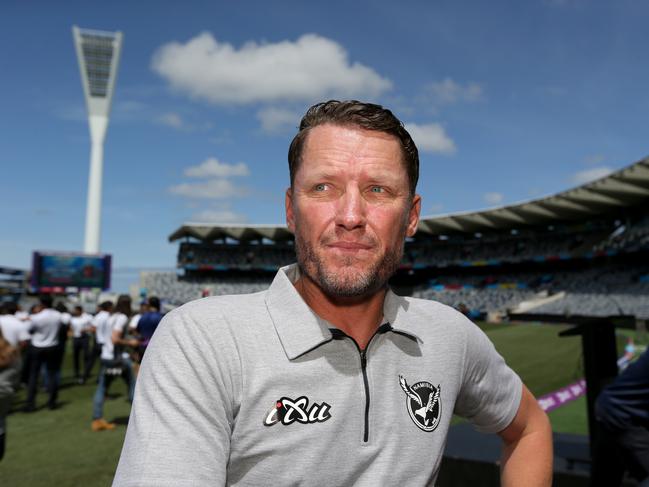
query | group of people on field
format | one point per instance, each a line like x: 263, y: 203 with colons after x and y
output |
x: 32, y: 346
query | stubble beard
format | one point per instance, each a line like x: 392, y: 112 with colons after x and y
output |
x: 347, y: 281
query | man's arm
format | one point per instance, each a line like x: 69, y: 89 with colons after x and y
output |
x: 527, y: 449
x: 183, y: 413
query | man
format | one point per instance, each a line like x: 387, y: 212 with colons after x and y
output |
x: 622, y: 443
x: 44, y: 349
x: 98, y: 323
x: 115, y: 361
x: 328, y: 378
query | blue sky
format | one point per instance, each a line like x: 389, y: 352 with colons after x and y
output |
x: 507, y: 101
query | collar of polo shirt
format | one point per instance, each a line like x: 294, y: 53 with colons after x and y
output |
x: 300, y: 330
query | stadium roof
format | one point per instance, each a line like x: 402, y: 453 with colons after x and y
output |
x: 624, y: 188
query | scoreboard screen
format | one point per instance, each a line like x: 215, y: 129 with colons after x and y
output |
x: 63, y: 270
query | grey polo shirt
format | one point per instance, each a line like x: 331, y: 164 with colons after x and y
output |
x: 258, y: 390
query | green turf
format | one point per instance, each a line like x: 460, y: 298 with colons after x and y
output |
x: 545, y: 362
x: 570, y: 418
x: 57, y: 448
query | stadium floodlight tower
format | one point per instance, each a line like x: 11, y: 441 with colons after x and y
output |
x: 98, y: 54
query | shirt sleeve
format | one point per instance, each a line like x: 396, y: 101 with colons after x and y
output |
x: 491, y: 392
x: 134, y: 321
x: 120, y: 321
x: 184, y: 408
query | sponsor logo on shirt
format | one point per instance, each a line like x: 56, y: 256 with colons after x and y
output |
x: 423, y: 403
x: 287, y: 411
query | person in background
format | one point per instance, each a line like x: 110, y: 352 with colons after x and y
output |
x: 44, y: 329
x: 148, y: 324
x: 132, y: 324
x: 9, y: 379
x: 80, y: 327
x: 14, y: 330
x: 622, y: 412
x: 132, y: 329
x: 100, y: 319
x: 63, y: 339
x: 21, y: 314
x: 115, y: 361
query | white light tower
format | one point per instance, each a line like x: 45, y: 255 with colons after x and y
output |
x: 98, y: 54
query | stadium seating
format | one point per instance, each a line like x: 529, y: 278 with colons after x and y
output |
x: 600, y: 291
x: 491, y: 273
x: 174, y: 291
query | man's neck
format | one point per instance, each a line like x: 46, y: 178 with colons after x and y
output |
x: 358, y: 317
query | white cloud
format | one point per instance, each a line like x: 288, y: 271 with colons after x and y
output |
x: 312, y: 67
x: 588, y: 175
x: 447, y: 91
x: 219, y: 215
x: 211, y: 189
x: 171, y: 120
x: 431, y: 138
x: 213, y: 168
x: 275, y: 120
x: 493, y: 198
x: 174, y: 120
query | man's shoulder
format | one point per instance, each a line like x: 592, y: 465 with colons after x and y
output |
x: 428, y: 310
x: 220, y: 309
x: 432, y: 321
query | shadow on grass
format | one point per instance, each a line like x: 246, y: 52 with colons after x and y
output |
x: 123, y: 420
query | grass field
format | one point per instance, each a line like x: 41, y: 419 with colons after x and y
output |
x: 57, y: 448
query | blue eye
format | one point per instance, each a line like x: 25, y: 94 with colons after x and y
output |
x: 320, y: 187
x: 377, y: 189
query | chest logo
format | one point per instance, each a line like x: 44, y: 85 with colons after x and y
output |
x: 423, y: 403
x: 287, y: 411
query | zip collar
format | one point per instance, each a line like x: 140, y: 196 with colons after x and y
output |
x: 300, y: 330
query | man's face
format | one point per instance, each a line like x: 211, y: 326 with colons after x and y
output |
x: 350, y: 209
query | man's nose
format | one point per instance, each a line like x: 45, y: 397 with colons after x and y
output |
x: 351, y: 211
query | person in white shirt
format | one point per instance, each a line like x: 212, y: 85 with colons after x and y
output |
x: 80, y: 326
x: 105, y: 309
x: 115, y: 361
x: 44, y: 329
x: 9, y: 378
x: 133, y: 330
x: 14, y: 330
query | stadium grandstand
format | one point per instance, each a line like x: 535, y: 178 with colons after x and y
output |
x: 583, y: 251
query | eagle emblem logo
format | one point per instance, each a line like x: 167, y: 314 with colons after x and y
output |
x: 423, y: 403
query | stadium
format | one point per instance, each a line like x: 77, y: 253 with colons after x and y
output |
x: 583, y: 251
x: 559, y: 283
x: 525, y: 273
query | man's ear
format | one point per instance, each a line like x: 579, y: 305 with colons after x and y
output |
x: 288, y: 204
x: 413, y: 215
